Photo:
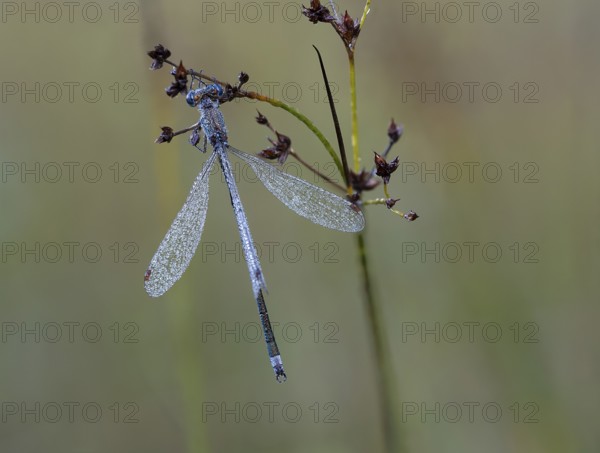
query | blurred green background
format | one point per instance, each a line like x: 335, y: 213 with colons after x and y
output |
x: 90, y: 363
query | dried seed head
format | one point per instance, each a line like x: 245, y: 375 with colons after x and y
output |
x: 261, y: 119
x: 165, y: 136
x: 158, y: 55
x: 363, y: 181
x: 390, y: 202
x: 270, y: 153
x: 411, y: 215
x: 283, y: 142
x: 385, y: 169
x: 348, y: 29
x: 280, y: 150
x: 180, y: 85
x: 395, y: 131
x: 317, y: 12
x: 243, y: 78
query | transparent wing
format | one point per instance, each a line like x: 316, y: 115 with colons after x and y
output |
x: 179, y: 245
x: 309, y: 201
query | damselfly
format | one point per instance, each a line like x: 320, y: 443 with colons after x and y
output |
x: 179, y: 245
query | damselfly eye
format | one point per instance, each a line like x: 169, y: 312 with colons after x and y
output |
x: 216, y: 90
x: 191, y: 98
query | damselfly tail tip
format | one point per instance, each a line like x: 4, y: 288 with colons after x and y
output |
x: 278, y: 368
x: 280, y: 376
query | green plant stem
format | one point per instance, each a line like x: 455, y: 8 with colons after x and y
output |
x: 354, y: 108
x: 365, y: 12
x: 383, y: 370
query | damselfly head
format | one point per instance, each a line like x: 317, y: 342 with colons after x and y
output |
x: 213, y: 91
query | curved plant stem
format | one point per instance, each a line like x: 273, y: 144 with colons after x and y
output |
x: 383, y: 370
x: 308, y: 123
x: 280, y: 104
